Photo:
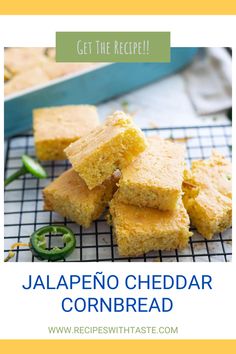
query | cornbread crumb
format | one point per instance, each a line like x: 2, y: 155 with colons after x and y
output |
x: 154, y: 179
x: 207, y: 194
x: 56, y: 127
x: 140, y: 230
x: 111, y: 146
x: 69, y: 196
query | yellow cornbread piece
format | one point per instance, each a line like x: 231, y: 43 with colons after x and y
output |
x: 111, y: 146
x: 140, y: 230
x: 56, y: 127
x: 55, y: 70
x: 154, y: 179
x: 28, y: 67
x: 208, y: 196
x: 69, y: 196
x: 18, y: 60
x: 25, y: 80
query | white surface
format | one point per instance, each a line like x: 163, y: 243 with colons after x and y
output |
x: 162, y: 104
x: 209, y: 81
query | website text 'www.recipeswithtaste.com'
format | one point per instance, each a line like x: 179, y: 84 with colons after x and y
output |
x: 114, y: 330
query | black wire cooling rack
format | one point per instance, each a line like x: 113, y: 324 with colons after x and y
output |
x: 24, y: 205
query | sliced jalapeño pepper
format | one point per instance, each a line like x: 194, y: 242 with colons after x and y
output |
x: 29, y: 165
x: 38, y: 243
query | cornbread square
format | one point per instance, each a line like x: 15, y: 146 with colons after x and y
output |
x: 55, y: 70
x: 69, y: 196
x: 140, y: 230
x: 25, y: 80
x: 111, y: 146
x: 18, y: 60
x: 56, y: 127
x: 208, y: 196
x: 154, y: 179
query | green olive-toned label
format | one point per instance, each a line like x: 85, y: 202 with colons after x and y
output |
x: 113, y: 47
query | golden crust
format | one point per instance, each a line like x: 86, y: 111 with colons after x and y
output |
x: 208, y: 194
x: 57, y: 127
x: 69, y: 196
x: 139, y: 230
x: 154, y: 179
x: 111, y: 146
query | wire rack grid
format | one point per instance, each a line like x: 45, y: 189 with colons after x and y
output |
x: 24, y: 205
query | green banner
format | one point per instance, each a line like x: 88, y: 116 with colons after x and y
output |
x: 113, y: 47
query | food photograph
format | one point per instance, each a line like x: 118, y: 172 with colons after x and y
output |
x: 118, y: 162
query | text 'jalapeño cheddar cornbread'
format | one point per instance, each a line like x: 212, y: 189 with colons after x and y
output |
x: 208, y: 196
x: 69, y: 196
x: 140, y: 230
x: 154, y: 179
x: 57, y: 127
x: 111, y: 146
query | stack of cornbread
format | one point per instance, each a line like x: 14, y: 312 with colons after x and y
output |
x: 147, y: 210
x: 97, y: 153
x: 140, y: 178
